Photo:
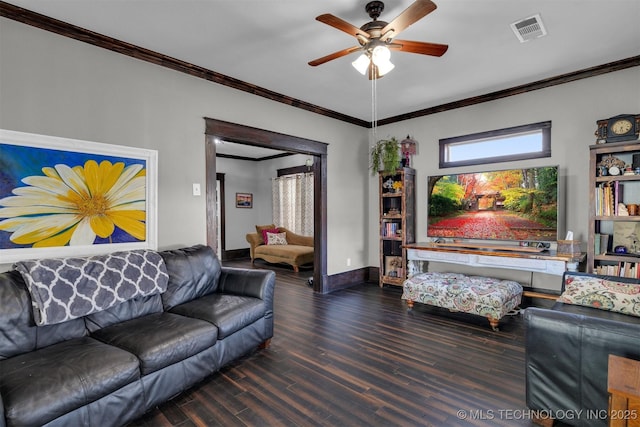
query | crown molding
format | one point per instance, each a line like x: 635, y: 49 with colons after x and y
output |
x: 62, y: 28
x: 46, y: 23
x: 586, y: 73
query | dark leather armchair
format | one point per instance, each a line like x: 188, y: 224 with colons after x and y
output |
x: 567, y: 350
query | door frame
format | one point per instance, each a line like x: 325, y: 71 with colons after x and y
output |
x: 241, y: 134
x: 220, y: 177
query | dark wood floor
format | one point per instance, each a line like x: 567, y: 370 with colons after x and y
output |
x: 357, y: 357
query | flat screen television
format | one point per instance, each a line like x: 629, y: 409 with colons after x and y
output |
x: 510, y: 205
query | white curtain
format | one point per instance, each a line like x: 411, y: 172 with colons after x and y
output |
x: 293, y: 202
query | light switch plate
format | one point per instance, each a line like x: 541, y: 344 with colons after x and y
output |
x: 196, y: 189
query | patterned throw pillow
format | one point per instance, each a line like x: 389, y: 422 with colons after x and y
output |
x: 259, y: 229
x: 268, y: 230
x: 598, y: 292
x: 276, y: 238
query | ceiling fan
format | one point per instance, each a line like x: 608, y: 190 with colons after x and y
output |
x: 376, y: 38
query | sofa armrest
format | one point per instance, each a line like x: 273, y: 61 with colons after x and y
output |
x: 254, y: 240
x: 552, y: 360
x: 567, y: 358
x: 252, y: 283
x: 297, y: 239
x: 247, y: 282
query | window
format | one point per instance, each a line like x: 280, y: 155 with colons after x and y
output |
x: 292, y: 193
x: 504, y: 145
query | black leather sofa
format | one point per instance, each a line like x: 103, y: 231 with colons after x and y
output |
x: 110, y: 367
x: 567, y: 350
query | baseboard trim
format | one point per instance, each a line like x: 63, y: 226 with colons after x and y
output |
x: 374, y: 275
x: 351, y: 278
x: 347, y: 279
x: 235, y: 254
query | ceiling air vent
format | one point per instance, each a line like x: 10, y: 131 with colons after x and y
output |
x: 529, y: 28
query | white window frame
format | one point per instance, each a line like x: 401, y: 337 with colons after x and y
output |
x: 477, y: 139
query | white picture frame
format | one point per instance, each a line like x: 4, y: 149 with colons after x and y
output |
x: 105, y: 184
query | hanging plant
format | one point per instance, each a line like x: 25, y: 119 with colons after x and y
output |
x: 385, y: 156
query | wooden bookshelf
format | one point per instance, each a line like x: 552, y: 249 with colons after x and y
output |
x: 397, y: 224
x: 606, y: 218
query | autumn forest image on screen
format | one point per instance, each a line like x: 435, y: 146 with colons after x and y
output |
x: 515, y: 204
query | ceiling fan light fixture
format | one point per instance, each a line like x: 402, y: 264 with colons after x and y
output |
x: 384, y: 68
x: 361, y: 64
x: 380, y: 55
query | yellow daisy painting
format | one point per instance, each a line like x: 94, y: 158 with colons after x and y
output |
x: 52, y: 198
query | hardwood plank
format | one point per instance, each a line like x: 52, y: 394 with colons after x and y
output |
x: 357, y: 356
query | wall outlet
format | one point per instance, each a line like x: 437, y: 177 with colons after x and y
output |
x: 348, y: 262
x: 196, y: 189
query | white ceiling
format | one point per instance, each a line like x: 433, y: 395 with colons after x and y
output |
x: 269, y: 42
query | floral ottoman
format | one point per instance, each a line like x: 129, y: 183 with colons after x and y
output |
x: 484, y: 296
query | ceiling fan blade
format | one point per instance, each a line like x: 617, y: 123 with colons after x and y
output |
x: 334, y: 55
x: 423, y: 48
x: 342, y: 25
x: 418, y: 10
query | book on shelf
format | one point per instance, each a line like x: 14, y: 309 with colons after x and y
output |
x: 607, y: 198
x: 617, y: 196
x: 622, y: 269
x: 604, y: 200
x: 390, y: 229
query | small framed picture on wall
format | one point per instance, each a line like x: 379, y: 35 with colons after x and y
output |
x: 244, y: 200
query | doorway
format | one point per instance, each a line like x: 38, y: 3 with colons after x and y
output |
x: 233, y: 132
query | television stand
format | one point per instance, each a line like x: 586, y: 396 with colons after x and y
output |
x: 514, y: 258
x: 490, y: 246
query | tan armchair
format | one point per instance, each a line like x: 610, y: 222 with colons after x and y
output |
x: 298, y: 250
